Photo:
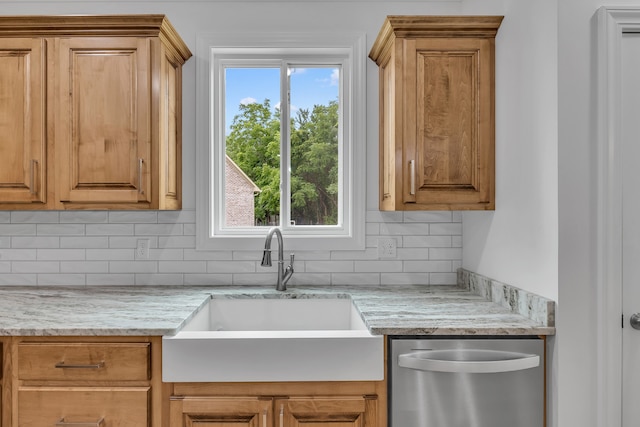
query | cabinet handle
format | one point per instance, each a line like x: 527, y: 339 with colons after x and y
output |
x: 140, y: 163
x: 32, y: 176
x: 264, y: 418
x: 412, y: 178
x: 63, y: 423
x: 281, y: 415
x: 63, y: 365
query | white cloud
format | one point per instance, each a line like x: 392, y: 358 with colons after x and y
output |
x: 335, y: 77
x: 248, y: 100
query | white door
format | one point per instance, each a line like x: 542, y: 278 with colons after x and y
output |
x: 630, y: 155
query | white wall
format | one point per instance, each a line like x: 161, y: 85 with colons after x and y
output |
x: 517, y: 243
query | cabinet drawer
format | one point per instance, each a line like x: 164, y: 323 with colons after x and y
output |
x: 115, y: 406
x: 84, y: 361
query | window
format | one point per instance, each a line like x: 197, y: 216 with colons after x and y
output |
x: 281, y: 138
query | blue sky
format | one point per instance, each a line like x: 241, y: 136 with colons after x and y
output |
x: 309, y: 86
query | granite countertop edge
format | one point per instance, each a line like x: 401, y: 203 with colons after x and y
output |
x: 160, y: 311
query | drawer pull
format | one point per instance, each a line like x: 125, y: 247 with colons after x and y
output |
x: 63, y: 423
x: 63, y: 365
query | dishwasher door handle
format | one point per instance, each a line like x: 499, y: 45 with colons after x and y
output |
x: 472, y: 361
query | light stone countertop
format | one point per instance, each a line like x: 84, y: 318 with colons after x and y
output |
x: 157, y: 311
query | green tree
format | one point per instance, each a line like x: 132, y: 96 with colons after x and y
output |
x: 254, y: 145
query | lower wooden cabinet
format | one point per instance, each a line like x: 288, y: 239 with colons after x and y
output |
x: 86, y: 406
x: 264, y: 411
x: 281, y: 404
x: 84, y: 381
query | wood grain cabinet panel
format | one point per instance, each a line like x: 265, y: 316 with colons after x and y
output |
x: 102, y: 132
x: 100, y: 109
x: 437, y: 130
x: 83, y: 406
x: 84, y: 361
x: 348, y: 411
x: 308, y: 404
x: 23, y: 163
x: 206, y: 411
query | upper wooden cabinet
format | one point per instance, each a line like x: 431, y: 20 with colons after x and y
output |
x: 93, y: 112
x: 437, y: 131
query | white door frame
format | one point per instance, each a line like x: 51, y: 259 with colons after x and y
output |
x: 612, y: 22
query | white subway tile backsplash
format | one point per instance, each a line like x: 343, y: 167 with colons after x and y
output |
x: 110, y: 254
x: 445, y: 253
x: 165, y: 254
x: 159, y: 229
x: 109, y: 229
x: 124, y: 242
x: 159, y: 279
x: 329, y: 266
x: 11, y: 279
x: 185, y: 242
x: 132, y: 267
x: 427, y: 266
x: 443, y: 278
x: 232, y: 266
x: 404, y: 278
x: 83, y: 217
x: 378, y: 266
x: 427, y: 216
x: 61, y: 254
x: 18, y: 229
x: 91, y: 248
x: 61, y: 279
x: 84, y: 267
x: 208, y: 279
x: 111, y: 279
x: 133, y: 217
x: 452, y: 229
x: 355, y: 279
x: 182, y: 266
x: 18, y: 254
x: 427, y: 241
x: 93, y: 242
x: 34, y: 217
x: 61, y: 229
x: 35, y: 267
x: 24, y: 242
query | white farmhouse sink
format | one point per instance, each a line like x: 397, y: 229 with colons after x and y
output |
x: 320, y: 339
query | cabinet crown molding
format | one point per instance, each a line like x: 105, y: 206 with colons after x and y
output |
x: 153, y: 25
x: 409, y: 26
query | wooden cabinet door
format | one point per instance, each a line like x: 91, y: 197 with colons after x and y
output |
x: 84, y: 406
x: 22, y: 121
x: 205, y: 411
x: 349, y: 411
x: 103, y: 120
x: 449, y: 131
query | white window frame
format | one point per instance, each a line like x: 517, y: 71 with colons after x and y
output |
x: 214, y: 51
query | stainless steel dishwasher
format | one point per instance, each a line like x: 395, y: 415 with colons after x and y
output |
x: 466, y: 382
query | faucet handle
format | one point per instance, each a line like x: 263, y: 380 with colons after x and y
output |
x: 291, y: 257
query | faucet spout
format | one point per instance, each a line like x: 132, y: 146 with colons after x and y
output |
x: 283, y: 275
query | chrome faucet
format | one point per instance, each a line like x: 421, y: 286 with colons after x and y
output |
x: 283, y: 275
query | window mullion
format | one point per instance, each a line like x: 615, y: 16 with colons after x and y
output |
x: 285, y: 146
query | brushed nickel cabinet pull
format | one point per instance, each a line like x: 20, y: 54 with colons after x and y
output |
x: 140, y: 164
x: 281, y: 415
x: 32, y: 177
x: 412, y: 171
x: 63, y: 423
x: 264, y: 418
x: 63, y: 365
